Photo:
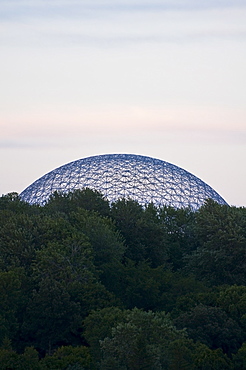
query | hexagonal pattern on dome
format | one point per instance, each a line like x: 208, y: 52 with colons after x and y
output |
x: 116, y: 176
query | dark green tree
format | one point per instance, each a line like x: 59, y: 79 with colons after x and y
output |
x: 126, y: 214
x: 206, y: 359
x: 98, y: 325
x: 51, y: 317
x: 140, y: 342
x: 64, y: 358
x: 221, y: 255
x: 88, y: 199
x: 105, y: 240
x: 211, y: 326
x: 178, y: 227
x: 232, y: 300
x: 239, y: 359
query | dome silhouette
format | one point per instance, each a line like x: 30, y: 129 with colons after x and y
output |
x: 116, y: 176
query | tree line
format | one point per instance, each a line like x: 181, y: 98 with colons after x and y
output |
x: 87, y: 284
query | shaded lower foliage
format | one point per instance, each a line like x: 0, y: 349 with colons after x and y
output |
x: 212, y: 326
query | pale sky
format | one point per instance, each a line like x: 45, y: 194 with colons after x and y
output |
x: 166, y: 79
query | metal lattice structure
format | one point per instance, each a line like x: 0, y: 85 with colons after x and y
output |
x: 144, y: 179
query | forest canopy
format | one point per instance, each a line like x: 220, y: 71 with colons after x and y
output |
x: 85, y: 284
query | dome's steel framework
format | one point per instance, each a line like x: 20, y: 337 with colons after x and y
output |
x: 116, y: 176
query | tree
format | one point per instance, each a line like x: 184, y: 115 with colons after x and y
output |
x: 207, y: 359
x: 178, y: 227
x: 91, y: 200
x: 12, y: 303
x: 211, y: 326
x: 139, y: 285
x: 232, y: 299
x: 140, y: 342
x: 12, y: 202
x: 152, y: 235
x: 98, y: 325
x: 10, y: 359
x: 239, y: 359
x: 30, y: 360
x: 66, y: 290
x: 221, y: 255
x: 88, y: 199
x: 126, y: 214
x: 105, y: 240
x: 17, y: 239
x: 181, y: 354
x: 68, y: 358
x: 52, y: 318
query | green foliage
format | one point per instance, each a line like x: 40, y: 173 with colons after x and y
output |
x: 10, y: 293
x: 85, y: 284
x: 90, y: 200
x: 239, y: 359
x: 85, y: 198
x: 178, y: 227
x: 139, y: 285
x: 126, y: 214
x: 181, y: 354
x: 206, y: 359
x: 51, y: 317
x: 105, y: 239
x: 212, y: 326
x: 221, y: 255
x: 12, y: 202
x: 66, y: 291
x: 29, y: 360
x: 69, y: 260
x: 68, y: 357
x: 161, y: 236
x: 9, y: 360
x: 98, y: 325
x: 232, y: 300
x: 17, y: 234
x: 140, y: 342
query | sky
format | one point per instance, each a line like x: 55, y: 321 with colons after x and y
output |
x: 161, y: 78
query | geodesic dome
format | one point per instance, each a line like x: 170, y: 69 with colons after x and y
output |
x: 116, y: 176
